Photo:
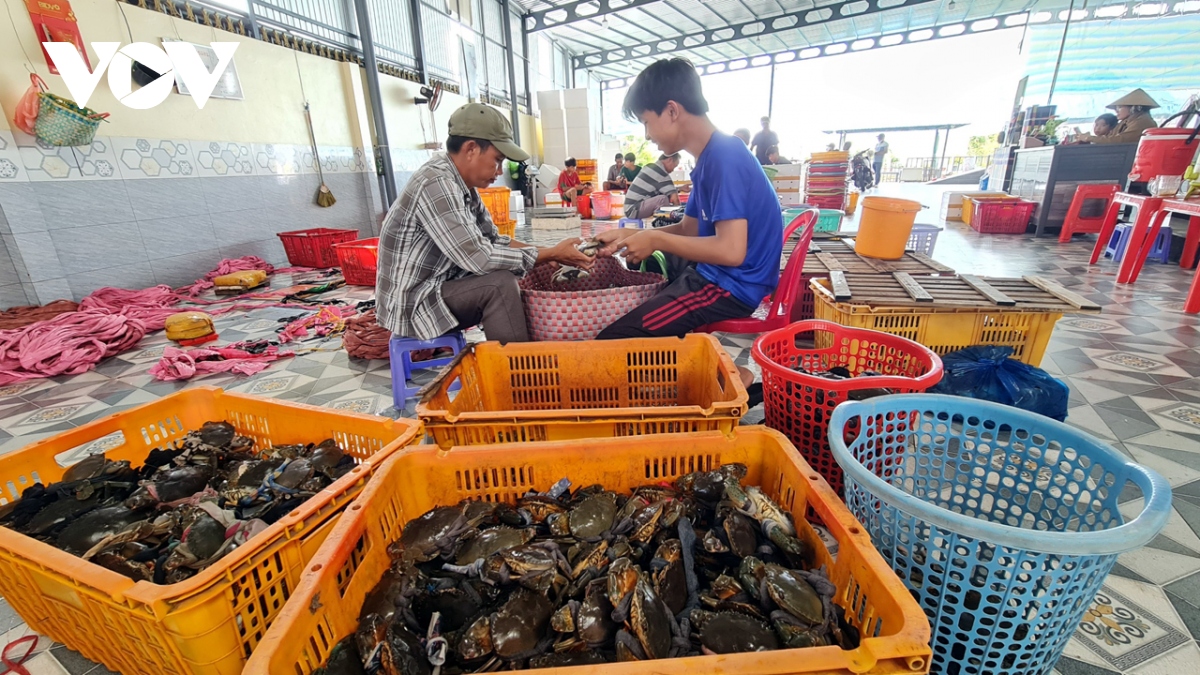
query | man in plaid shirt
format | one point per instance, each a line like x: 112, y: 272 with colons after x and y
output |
x: 442, y: 264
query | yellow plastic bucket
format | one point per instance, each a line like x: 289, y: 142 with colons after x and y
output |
x: 885, y: 227
x: 853, y: 204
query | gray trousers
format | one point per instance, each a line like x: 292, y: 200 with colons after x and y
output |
x: 492, y: 301
x: 646, y: 207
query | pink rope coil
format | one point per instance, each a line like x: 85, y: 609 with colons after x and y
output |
x: 109, y: 321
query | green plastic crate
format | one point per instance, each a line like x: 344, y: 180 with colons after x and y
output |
x: 830, y: 220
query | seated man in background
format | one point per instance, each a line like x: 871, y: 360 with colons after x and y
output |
x: 614, y: 180
x: 442, y: 265
x: 775, y: 158
x: 630, y: 170
x: 568, y: 182
x: 653, y: 188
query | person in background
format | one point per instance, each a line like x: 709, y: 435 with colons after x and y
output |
x: 631, y: 169
x: 743, y: 134
x: 732, y: 230
x: 881, y: 151
x: 614, y: 180
x: 774, y: 158
x: 1133, y: 119
x: 653, y: 188
x: 568, y: 182
x: 1104, y: 124
x: 763, y: 141
x: 442, y: 265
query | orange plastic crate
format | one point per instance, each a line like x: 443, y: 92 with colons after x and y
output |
x: 314, y: 247
x: 549, y: 391
x: 325, y: 606
x: 359, y: 261
x: 213, y: 621
x: 508, y: 229
x: 495, y: 199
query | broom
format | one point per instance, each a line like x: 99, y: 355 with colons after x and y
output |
x: 324, y: 195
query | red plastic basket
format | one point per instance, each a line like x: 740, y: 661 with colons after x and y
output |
x: 1002, y: 216
x: 314, y: 247
x: 800, y: 405
x: 359, y: 261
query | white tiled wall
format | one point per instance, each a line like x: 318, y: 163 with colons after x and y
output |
x: 135, y: 212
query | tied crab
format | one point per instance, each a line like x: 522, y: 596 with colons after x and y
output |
x: 567, y: 273
x: 585, y: 576
x: 179, y: 510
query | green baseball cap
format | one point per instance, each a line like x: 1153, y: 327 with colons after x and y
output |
x: 477, y: 120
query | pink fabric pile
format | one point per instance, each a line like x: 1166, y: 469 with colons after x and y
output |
x: 227, y: 266
x: 108, y: 322
x: 177, y: 364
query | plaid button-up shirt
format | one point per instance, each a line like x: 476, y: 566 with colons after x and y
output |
x: 438, y: 230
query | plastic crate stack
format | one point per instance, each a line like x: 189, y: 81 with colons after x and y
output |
x: 825, y: 182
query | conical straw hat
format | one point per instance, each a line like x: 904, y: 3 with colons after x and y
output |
x: 1135, y: 97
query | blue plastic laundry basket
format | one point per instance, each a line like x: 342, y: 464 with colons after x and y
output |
x: 1002, y: 523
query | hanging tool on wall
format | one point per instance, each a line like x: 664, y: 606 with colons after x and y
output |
x: 324, y: 195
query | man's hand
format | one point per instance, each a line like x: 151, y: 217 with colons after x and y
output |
x: 640, y: 245
x: 612, y: 240
x: 674, y: 198
x: 566, y: 253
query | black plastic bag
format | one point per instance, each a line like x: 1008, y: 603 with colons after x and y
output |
x: 987, y: 373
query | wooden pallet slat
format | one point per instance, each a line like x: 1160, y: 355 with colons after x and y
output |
x: 989, y: 291
x: 841, y: 289
x: 831, y: 263
x: 930, y: 262
x: 1067, y: 296
x: 913, y: 288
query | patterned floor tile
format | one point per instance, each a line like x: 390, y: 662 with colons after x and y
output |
x: 1124, y: 632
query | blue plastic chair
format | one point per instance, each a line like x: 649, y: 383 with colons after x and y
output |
x: 400, y: 350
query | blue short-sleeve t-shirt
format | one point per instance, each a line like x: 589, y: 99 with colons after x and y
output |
x: 728, y: 183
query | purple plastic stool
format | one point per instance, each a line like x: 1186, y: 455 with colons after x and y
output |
x: 1118, y: 242
x: 400, y: 350
x: 1161, y: 251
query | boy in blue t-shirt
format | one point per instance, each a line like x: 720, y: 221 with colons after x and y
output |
x: 733, y: 226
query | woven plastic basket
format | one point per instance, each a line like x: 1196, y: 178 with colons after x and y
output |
x: 1003, y: 523
x: 579, y: 310
x: 62, y: 122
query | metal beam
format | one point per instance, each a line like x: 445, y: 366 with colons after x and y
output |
x: 911, y: 36
x: 418, y: 38
x: 381, y: 137
x: 578, y: 11
x: 790, y: 21
x: 514, y: 114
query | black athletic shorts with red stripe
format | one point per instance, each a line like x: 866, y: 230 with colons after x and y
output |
x: 684, y: 305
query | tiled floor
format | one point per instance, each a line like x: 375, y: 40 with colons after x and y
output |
x: 1134, y: 375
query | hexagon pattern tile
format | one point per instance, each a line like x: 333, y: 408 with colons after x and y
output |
x: 11, y: 167
x: 44, y: 162
x: 223, y: 158
x: 25, y: 158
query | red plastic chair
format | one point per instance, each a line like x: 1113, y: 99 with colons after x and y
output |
x: 779, y: 305
x: 1074, y: 224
